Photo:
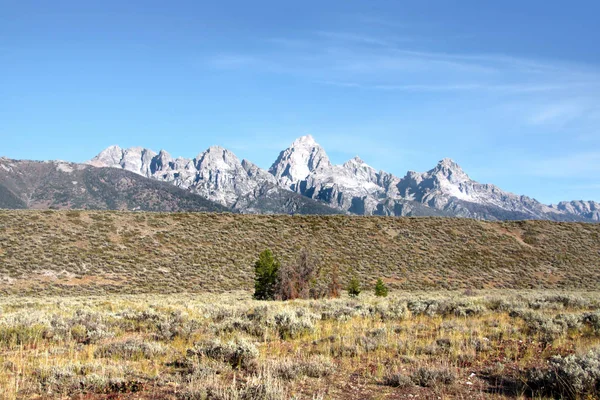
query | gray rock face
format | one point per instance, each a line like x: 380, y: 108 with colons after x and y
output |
x: 304, y: 171
x: 62, y: 185
x: 586, y: 209
x: 217, y: 175
x: 298, y: 161
x: 447, y: 187
x: 305, y: 168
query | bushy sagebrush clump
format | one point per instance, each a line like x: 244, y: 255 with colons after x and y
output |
x: 238, y: 353
x: 88, y: 327
x: 461, y: 308
x: 547, y: 328
x: 429, y: 377
x: 24, y: 328
x: 131, y: 348
x: 163, y: 326
x: 175, y: 325
x: 593, y: 320
x: 292, y: 324
x: 341, y: 310
x: 315, y: 367
x: 85, y: 378
x: 392, y: 310
x: 398, y: 380
x: 263, y: 386
x: 423, y: 307
x: 243, y: 325
x: 503, y: 304
x: 571, y: 321
x: 569, y: 377
x: 568, y: 301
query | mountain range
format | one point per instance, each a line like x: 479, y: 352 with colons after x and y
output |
x: 302, y: 180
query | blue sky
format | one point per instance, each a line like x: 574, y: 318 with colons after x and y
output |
x: 510, y: 90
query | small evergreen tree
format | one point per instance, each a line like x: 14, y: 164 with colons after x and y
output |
x: 380, y: 289
x: 266, y: 279
x: 354, y: 287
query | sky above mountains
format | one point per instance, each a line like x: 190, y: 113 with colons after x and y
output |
x: 510, y: 90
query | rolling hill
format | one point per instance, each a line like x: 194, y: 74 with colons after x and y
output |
x: 95, y: 252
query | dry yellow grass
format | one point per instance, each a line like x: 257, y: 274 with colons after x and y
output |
x: 434, y: 345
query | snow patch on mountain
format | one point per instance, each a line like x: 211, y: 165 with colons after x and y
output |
x: 298, y: 161
x: 355, y: 186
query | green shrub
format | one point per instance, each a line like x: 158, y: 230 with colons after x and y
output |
x: 354, y: 287
x: 380, y: 289
x: 22, y: 334
x: 266, y: 280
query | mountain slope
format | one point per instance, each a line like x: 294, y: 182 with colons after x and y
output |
x: 446, y: 189
x: 305, y: 168
x: 9, y: 200
x: 304, y: 180
x: 216, y: 174
x: 57, y: 184
x: 95, y: 252
x: 585, y: 209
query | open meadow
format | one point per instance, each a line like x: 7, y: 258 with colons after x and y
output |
x: 484, y: 344
x: 99, y: 305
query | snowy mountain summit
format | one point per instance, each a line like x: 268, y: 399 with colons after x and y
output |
x: 298, y: 161
x: 303, y: 170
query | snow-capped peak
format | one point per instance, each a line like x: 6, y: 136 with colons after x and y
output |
x: 450, y: 170
x: 360, y: 169
x: 135, y: 159
x: 356, y: 160
x: 164, y: 154
x: 109, y: 157
x: 304, y: 140
x: 354, y: 186
x: 297, y: 161
x: 217, y: 158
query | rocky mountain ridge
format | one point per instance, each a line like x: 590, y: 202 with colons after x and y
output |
x: 353, y: 187
x: 62, y: 185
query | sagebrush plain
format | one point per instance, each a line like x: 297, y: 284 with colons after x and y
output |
x: 434, y: 345
x: 99, y: 252
x: 101, y: 305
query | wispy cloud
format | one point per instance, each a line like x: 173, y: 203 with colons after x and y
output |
x: 558, y: 113
x: 389, y: 41
x: 539, y: 93
x: 382, y: 62
x: 455, y: 87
